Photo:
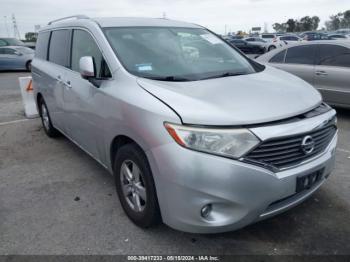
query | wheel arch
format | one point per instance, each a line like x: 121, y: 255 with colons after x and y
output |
x: 117, y: 143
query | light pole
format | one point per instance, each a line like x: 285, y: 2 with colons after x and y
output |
x: 7, y: 30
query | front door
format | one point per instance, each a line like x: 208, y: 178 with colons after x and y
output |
x: 84, y: 100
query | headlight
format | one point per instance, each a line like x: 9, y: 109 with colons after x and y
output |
x: 232, y: 143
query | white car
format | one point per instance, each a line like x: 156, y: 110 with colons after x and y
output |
x: 281, y: 41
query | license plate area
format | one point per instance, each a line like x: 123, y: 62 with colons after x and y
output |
x: 308, y: 181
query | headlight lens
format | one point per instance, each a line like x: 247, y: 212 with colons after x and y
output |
x: 232, y: 143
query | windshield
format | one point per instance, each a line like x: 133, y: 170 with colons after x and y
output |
x: 13, y: 42
x: 176, y: 54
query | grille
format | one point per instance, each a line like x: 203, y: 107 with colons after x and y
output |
x: 286, y: 152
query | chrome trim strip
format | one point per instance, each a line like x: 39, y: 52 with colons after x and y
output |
x: 294, y: 128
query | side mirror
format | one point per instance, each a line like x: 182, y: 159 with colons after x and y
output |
x: 86, y: 67
x: 18, y: 53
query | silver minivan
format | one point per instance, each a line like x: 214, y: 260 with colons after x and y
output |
x: 196, y: 134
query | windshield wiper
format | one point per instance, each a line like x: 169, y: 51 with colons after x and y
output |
x: 168, y: 78
x: 225, y: 74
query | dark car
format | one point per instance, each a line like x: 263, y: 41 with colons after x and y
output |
x: 313, y: 36
x: 247, y: 47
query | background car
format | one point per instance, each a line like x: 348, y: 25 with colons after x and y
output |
x: 257, y: 41
x: 268, y: 37
x: 16, y: 58
x: 338, y: 37
x: 280, y: 41
x: 11, y: 42
x: 313, y: 36
x: 247, y: 47
x: 324, y: 64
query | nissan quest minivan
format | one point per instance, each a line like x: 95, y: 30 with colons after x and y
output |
x: 196, y: 134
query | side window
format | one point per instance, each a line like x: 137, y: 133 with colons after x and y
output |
x: 9, y: 51
x: 278, y: 58
x: 42, y: 44
x: 284, y: 38
x: 250, y: 39
x: 301, y: 55
x: 334, y: 55
x: 3, y: 43
x: 59, y: 47
x: 84, y: 45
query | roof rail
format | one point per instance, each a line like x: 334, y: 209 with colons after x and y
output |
x: 69, y: 17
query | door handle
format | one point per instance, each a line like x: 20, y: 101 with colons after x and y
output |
x: 321, y: 73
x: 68, y: 84
x: 59, y: 79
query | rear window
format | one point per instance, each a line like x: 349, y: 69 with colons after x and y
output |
x: 268, y: 36
x: 278, y: 58
x: 42, y: 45
x: 334, y: 55
x: 301, y: 55
x: 59, y: 47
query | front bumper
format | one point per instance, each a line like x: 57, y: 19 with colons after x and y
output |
x: 239, y: 193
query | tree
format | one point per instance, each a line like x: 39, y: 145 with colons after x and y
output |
x: 279, y: 27
x: 315, y: 22
x: 305, y: 24
x: 31, y: 36
x: 291, y: 25
x: 345, y: 21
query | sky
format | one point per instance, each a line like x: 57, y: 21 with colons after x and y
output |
x: 217, y: 15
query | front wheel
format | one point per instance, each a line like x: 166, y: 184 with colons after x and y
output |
x: 46, y: 120
x: 135, y: 186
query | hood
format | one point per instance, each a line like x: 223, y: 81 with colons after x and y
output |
x: 266, y: 96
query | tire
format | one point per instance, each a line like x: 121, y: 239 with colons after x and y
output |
x: 135, y: 186
x: 46, y: 120
x: 271, y: 48
x: 29, y: 66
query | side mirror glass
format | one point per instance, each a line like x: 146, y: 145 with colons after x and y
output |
x: 86, y: 67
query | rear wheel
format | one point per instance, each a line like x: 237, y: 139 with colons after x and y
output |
x: 46, y: 120
x: 135, y: 186
x: 29, y: 66
x: 272, y: 48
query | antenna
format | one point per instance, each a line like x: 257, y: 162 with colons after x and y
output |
x: 15, y: 27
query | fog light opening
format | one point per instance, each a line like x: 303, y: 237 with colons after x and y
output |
x: 206, y: 210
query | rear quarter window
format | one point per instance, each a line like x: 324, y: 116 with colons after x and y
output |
x: 301, y: 55
x: 334, y: 55
x: 42, y: 45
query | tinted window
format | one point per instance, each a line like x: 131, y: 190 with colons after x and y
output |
x: 278, y: 58
x: 41, y: 45
x: 2, y: 42
x: 9, y: 51
x: 84, y: 45
x: 250, y: 39
x: 59, y: 47
x: 301, y: 55
x: 268, y: 36
x: 334, y: 55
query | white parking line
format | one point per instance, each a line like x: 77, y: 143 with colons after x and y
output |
x: 13, y: 122
x: 343, y: 150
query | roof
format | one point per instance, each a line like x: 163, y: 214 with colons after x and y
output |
x: 141, y: 21
x: 81, y: 20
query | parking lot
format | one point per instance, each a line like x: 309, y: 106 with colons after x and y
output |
x: 55, y: 199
